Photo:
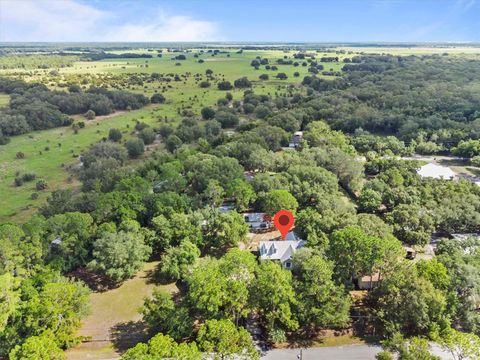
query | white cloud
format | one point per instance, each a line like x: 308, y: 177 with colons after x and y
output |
x: 70, y: 20
x: 166, y: 28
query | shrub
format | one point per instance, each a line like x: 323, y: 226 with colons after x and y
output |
x: 41, y: 185
x: 263, y: 77
x: 205, y: 84
x: 90, y: 115
x: 242, y: 83
x: 208, y: 113
x: 147, y: 135
x: 135, y: 147
x: 225, y: 85
x: 157, y: 99
x: 114, y: 135
x: 29, y: 177
x: 20, y: 155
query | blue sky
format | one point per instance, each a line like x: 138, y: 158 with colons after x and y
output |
x: 245, y: 20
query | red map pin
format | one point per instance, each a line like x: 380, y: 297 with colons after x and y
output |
x: 283, y: 221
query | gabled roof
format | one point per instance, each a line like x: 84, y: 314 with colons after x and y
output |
x: 279, y: 250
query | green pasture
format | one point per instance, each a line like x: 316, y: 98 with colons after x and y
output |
x: 53, y: 164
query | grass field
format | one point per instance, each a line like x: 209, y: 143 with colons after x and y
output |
x: 52, y: 165
x: 114, y: 322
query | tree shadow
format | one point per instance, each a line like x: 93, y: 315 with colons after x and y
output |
x: 127, y: 334
x: 156, y: 277
x: 96, y: 282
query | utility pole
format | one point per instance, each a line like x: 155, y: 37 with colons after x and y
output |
x: 300, y: 356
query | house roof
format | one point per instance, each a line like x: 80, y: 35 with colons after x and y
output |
x: 279, y: 250
x: 254, y: 217
x: 436, y: 171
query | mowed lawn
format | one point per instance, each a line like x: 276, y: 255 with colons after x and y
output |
x: 115, y: 317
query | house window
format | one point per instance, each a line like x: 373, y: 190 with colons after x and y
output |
x: 288, y: 264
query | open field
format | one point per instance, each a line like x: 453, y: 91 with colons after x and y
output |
x: 115, y: 319
x: 52, y: 164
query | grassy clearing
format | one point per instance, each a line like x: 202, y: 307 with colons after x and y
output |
x: 4, y: 100
x: 115, y: 317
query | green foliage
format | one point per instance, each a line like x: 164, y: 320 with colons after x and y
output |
x: 177, y: 260
x: 225, y: 230
x: 242, y: 192
x: 225, y: 341
x: 42, y: 347
x: 415, y: 348
x: 135, y: 147
x: 120, y: 255
x: 412, y: 224
x: 276, y: 200
x: 163, y: 347
x: 162, y: 315
x: 274, y: 296
x: 114, y: 135
x: 321, y: 303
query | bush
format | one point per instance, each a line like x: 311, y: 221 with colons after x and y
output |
x: 263, y: 77
x: 242, y: 83
x: 208, y: 113
x: 157, y: 99
x: 114, y: 135
x: 20, y: 155
x: 34, y: 196
x: 147, y: 135
x: 29, y: 177
x: 205, y: 84
x: 41, y: 185
x: 281, y: 76
x: 225, y: 85
x: 90, y: 115
x: 135, y: 147
x: 18, y: 181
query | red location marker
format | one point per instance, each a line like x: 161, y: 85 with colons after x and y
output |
x: 283, y: 221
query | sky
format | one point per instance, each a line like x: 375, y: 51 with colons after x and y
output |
x: 240, y: 20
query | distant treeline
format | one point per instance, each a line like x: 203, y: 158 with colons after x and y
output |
x: 35, y: 107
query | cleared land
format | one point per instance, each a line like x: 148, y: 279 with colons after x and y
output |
x: 115, y: 322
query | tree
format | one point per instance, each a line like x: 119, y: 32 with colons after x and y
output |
x: 214, y: 193
x: 173, y: 143
x: 163, y: 347
x: 162, y: 315
x: 462, y: 346
x: 357, y: 254
x: 242, y: 83
x: 415, y: 348
x: 263, y: 77
x: 226, y: 230
x: 369, y: 200
x: 407, y: 303
x: 225, y: 85
x: 135, y: 147
x: 90, y: 115
x: 223, y: 339
x: 277, y: 200
x: 412, y: 224
x: 114, y: 135
x: 226, y: 119
x: 208, y: 113
x: 147, y: 135
x: 120, y: 255
x: 321, y: 303
x: 9, y: 298
x: 42, y: 347
x: 221, y: 288
x: 177, y: 260
x: 281, y: 76
x: 157, y: 99
x: 274, y: 297
x: 242, y: 192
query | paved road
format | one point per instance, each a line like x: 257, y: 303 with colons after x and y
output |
x: 348, y: 352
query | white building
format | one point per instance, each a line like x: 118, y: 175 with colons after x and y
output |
x: 437, y: 172
x: 281, y: 250
x: 296, y: 139
x: 258, y: 221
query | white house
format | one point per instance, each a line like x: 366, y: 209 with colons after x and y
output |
x: 258, y: 221
x: 281, y: 250
x: 437, y: 172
